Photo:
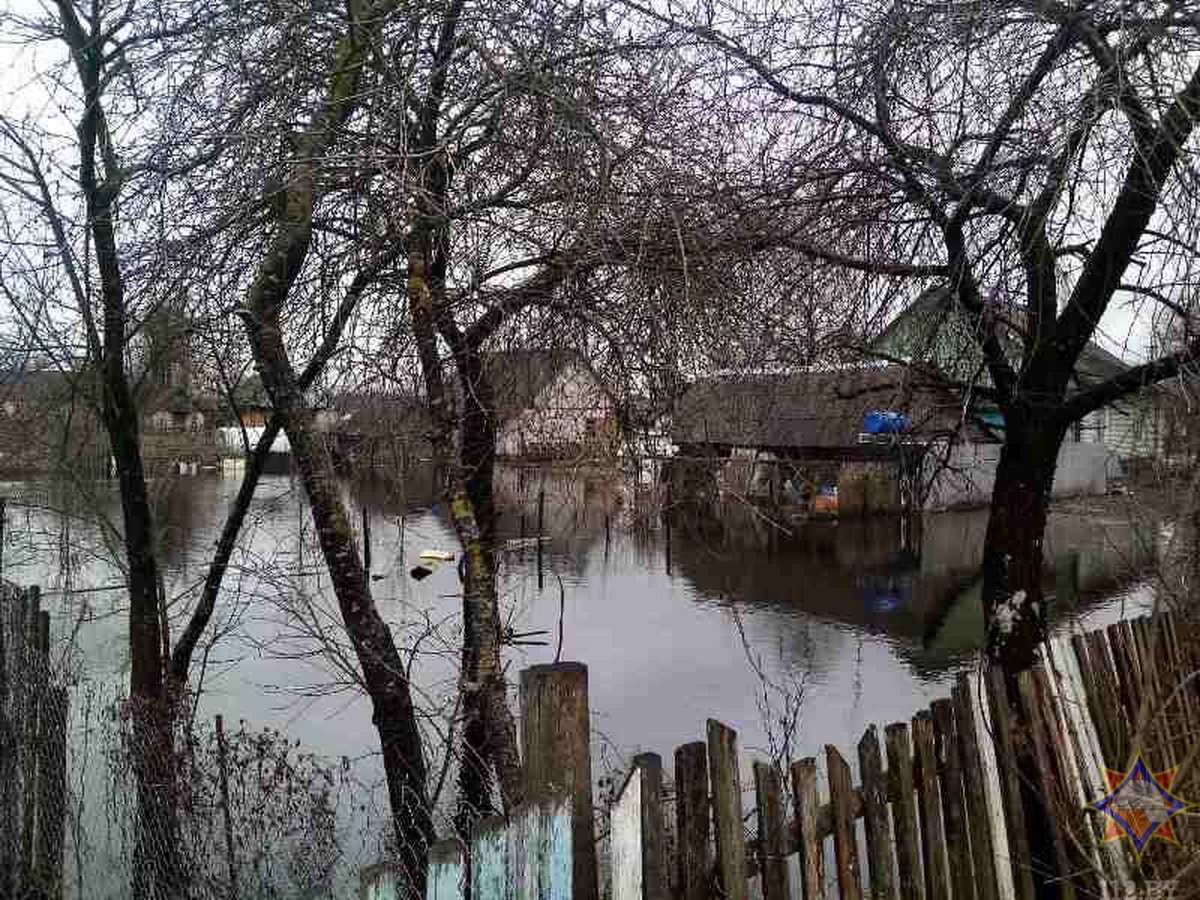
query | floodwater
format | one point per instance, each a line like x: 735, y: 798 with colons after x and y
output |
x: 846, y: 623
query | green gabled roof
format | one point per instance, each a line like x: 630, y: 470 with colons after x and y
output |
x: 933, y: 330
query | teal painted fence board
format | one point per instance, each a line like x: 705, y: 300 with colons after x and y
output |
x: 558, y: 863
x: 379, y: 882
x: 447, y: 877
x: 537, y: 848
x: 488, y: 872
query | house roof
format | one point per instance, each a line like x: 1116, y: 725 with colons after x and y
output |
x: 517, y: 377
x: 809, y: 409
x: 932, y: 328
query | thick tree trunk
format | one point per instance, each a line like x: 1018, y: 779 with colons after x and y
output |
x: 1014, y: 609
x: 384, y: 673
x: 1014, y: 605
x: 489, y: 732
x: 160, y: 873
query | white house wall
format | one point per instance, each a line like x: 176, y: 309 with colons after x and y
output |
x: 970, y: 474
x: 559, y: 417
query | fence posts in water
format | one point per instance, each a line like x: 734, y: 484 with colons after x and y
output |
x: 772, y: 832
x: 556, y: 732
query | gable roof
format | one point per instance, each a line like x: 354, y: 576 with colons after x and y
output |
x: 933, y: 329
x: 517, y: 377
x: 807, y: 409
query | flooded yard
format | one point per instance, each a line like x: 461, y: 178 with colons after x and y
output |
x: 846, y: 623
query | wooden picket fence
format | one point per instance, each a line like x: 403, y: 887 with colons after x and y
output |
x: 934, y: 814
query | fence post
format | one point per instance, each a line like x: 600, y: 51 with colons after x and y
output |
x: 1046, y: 780
x: 727, y: 810
x: 875, y: 814
x: 933, y: 835
x: 556, y: 734
x: 954, y: 816
x: 979, y: 817
x: 489, y: 870
x: 637, y: 839
x: 445, y: 880
x: 841, y: 799
x: 772, y: 833
x: 692, y: 822
x: 904, y: 810
x: 804, y: 796
x: 1010, y: 785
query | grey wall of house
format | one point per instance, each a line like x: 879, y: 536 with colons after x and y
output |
x: 970, y: 473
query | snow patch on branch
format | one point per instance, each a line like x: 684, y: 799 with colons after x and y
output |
x: 1008, y: 612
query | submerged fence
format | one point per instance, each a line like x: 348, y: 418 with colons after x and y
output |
x: 33, y: 763
x: 936, y: 811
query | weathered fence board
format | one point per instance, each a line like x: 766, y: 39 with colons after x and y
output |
x: 447, y: 874
x: 33, y: 734
x: 772, y: 833
x: 933, y: 835
x: 489, y: 873
x: 727, y: 809
x: 556, y: 732
x: 876, y: 822
x: 1010, y: 786
x: 637, y: 840
x: 692, y: 822
x: 954, y: 811
x: 845, y: 847
x: 804, y: 795
x: 979, y: 817
x: 904, y: 811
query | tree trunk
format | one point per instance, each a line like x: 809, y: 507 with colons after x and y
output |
x: 1014, y: 609
x: 1013, y: 602
x: 489, y: 732
x: 384, y: 673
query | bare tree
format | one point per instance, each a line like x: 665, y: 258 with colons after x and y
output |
x: 1034, y: 158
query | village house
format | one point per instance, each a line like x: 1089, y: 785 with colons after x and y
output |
x: 932, y: 331
x: 796, y: 433
x: 790, y: 436
x: 797, y: 436
x: 549, y: 405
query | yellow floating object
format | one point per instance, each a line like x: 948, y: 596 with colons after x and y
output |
x: 439, y: 555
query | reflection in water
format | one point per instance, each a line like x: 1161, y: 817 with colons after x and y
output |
x: 869, y: 619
